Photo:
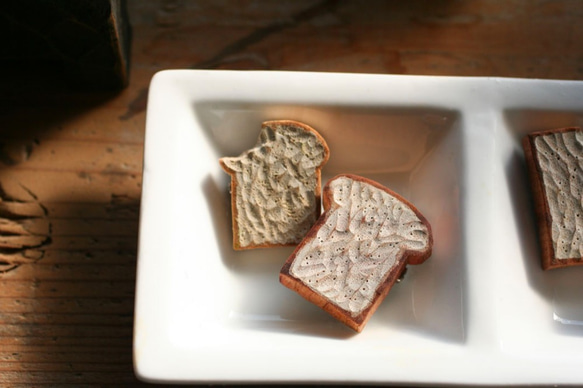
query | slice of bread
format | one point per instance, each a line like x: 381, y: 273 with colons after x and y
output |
x: 555, y: 165
x: 276, y: 186
x: 356, y: 251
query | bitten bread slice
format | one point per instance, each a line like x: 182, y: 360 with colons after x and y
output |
x: 555, y: 165
x: 276, y: 186
x: 357, y: 250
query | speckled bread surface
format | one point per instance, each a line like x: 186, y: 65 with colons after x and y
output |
x: 276, y: 186
x: 555, y: 165
x: 359, y: 247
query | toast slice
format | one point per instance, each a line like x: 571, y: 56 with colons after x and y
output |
x: 356, y: 251
x: 276, y: 186
x: 555, y: 166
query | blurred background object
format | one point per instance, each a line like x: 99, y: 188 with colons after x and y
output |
x: 77, y: 44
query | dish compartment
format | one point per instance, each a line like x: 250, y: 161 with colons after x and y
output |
x: 416, y: 152
x: 531, y: 303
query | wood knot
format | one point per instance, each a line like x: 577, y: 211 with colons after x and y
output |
x: 24, y: 230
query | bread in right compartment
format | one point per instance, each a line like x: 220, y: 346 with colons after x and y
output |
x: 554, y: 160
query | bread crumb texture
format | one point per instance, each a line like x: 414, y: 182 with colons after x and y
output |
x: 560, y: 157
x: 276, y: 183
x: 364, y: 235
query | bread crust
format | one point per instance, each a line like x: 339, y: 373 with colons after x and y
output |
x: 357, y: 322
x: 541, y: 202
x: 234, y: 184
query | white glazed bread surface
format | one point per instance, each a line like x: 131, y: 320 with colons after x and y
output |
x: 357, y: 250
x: 555, y: 163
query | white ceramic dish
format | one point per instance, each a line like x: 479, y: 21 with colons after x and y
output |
x: 479, y: 311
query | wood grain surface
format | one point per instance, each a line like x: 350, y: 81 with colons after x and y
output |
x: 70, y: 162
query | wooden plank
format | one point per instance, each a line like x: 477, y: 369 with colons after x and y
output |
x: 50, y: 261
x: 93, y: 257
x: 76, y: 272
x: 20, y: 209
x: 520, y: 38
x: 93, y: 227
x: 11, y: 242
x: 102, y: 243
x: 65, y: 331
x: 48, y: 343
x: 76, y: 378
x: 64, y: 367
x: 87, y: 156
x: 117, y: 208
x: 24, y: 226
x: 40, y: 354
x: 68, y: 318
x: 102, y: 257
x: 70, y: 186
x: 101, y: 306
x: 48, y: 289
x: 75, y: 116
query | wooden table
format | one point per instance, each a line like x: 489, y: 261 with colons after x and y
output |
x: 70, y: 162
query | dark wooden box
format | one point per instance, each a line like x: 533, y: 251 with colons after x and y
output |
x: 80, y: 44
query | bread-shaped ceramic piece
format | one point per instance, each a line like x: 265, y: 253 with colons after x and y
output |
x: 356, y: 251
x: 555, y: 164
x: 276, y: 186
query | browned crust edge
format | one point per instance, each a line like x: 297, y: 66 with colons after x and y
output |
x: 358, y: 322
x: 541, y: 205
x: 235, y: 226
